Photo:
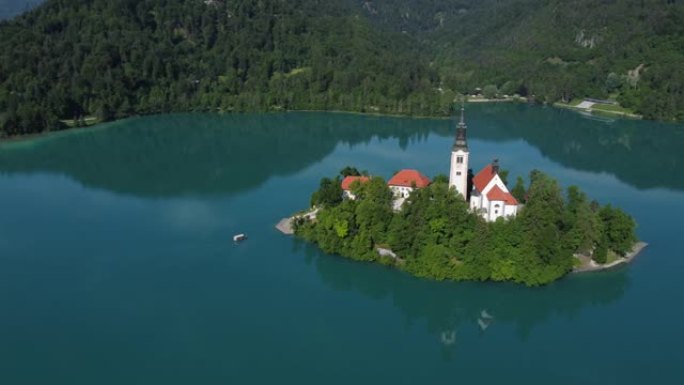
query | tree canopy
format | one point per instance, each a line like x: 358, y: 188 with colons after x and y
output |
x: 435, y: 235
x: 72, y: 62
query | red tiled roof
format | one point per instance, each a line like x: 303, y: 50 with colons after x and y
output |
x: 497, y: 194
x: 348, y: 180
x: 407, y: 178
x: 482, y: 179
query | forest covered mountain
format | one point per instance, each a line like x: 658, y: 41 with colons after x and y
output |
x: 555, y: 49
x: 68, y: 59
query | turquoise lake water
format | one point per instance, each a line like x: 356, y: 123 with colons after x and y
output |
x: 117, y: 264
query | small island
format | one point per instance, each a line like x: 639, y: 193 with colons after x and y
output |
x: 467, y: 227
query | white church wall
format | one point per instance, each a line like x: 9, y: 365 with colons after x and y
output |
x: 348, y: 194
x: 401, y: 191
x: 496, y: 210
x: 458, y: 172
x: 511, y: 210
x: 475, y: 202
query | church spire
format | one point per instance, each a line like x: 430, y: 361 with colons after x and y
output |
x: 461, y: 142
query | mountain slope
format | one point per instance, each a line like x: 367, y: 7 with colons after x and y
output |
x: 68, y: 59
x: 555, y: 49
x: 72, y: 58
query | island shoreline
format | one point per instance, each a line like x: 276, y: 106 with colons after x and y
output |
x: 285, y: 226
x: 627, y: 259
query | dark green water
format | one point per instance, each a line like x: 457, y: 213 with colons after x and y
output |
x: 117, y: 265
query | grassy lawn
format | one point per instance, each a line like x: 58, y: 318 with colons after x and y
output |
x: 608, y: 109
x: 611, y: 108
x: 572, y: 103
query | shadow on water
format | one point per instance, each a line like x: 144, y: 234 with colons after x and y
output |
x: 643, y: 154
x: 174, y: 155
x: 448, y: 307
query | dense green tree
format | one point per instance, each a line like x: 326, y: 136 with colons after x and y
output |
x: 582, y: 223
x: 490, y: 91
x: 109, y: 60
x: 112, y: 59
x: 436, y: 236
x: 440, y: 178
x: 349, y: 171
x: 618, y: 229
x: 329, y: 193
x: 518, y: 190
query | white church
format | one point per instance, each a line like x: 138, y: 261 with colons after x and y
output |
x: 489, y: 196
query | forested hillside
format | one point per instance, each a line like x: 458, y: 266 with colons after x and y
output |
x: 70, y: 59
x: 631, y: 50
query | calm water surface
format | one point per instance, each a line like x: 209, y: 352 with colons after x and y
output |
x: 117, y: 265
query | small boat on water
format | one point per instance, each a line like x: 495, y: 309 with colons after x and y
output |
x: 239, y: 237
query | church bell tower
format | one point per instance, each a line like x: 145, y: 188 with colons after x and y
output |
x: 458, y: 173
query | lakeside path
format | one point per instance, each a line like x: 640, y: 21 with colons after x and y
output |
x: 589, y: 265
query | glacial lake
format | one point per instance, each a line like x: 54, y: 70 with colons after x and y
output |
x: 117, y: 264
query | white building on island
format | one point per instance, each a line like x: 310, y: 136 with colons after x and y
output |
x: 405, y: 181
x: 486, y: 192
x: 488, y: 195
x: 458, y: 172
x: 347, y: 183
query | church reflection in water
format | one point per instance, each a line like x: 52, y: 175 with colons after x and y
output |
x: 452, y: 308
x: 174, y: 155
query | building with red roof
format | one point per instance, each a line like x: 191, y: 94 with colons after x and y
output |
x: 497, y: 194
x: 348, y: 181
x: 405, y: 181
x: 490, y: 196
x: 482, y: 179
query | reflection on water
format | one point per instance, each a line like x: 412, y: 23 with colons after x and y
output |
x: 157, y: 283
x: 198, y: 154
x: 448, y: 307
x: 640, y: 153
x: 212, y: 154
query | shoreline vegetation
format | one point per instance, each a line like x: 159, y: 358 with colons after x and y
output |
x: 77, y: 62
x: 587, y: 264
x: 93, y: 122
x: 434, y: 235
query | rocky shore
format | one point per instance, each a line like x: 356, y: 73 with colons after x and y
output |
x: 589, y: 265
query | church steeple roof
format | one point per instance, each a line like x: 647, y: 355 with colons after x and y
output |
x: 461, y: 142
